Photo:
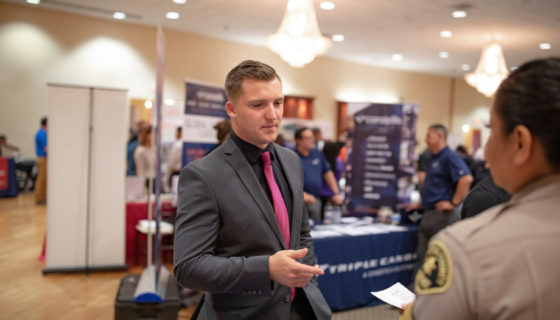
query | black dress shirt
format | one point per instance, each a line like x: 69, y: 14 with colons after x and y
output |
x: 253, y: 155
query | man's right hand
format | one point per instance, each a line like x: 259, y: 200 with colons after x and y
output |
x: 285, y: 270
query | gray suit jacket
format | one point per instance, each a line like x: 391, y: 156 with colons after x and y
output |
x: 226, y: 230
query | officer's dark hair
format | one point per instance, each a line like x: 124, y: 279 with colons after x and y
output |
x: 43, y: 121
x: 299, y: 132
x: 530, y: 96
x: 439, y: 128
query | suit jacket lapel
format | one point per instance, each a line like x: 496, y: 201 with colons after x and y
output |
x: 292, y: 170
x: 239, y: 163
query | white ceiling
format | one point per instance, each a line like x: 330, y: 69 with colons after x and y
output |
x: 374, y: 30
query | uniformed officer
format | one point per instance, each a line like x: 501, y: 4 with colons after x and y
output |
x: 504, y: 263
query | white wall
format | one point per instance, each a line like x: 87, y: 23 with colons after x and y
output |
x: 39, y: 46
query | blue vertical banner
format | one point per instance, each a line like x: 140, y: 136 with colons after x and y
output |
x: 204, y: 107
x: 381, y: 158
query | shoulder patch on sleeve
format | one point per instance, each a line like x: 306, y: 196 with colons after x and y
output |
x: 435, y: 274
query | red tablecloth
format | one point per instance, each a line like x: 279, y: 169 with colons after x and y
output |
x: 136, y: 211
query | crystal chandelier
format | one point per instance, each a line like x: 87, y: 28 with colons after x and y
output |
x: 490, y: 72
x: 298, y: 40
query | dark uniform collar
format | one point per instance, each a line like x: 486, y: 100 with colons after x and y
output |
x: 251, y: 152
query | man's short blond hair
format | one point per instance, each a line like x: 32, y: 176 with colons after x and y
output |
x: 248, y: 69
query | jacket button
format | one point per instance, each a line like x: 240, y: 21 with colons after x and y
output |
x: 288, y: 298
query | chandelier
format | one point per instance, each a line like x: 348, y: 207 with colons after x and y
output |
x: 490, y: 72
x: 298, y: 40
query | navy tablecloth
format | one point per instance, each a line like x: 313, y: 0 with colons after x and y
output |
x: 8, y: 178
x: 356, y: 265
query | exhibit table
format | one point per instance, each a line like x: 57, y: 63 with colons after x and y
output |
x: 358, y: 259
x: 8, y: 178
x: 136, y: 211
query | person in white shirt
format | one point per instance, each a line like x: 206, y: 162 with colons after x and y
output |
x: 175, y: 161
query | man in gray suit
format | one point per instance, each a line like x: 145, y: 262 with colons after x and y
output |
x: 242, y: 230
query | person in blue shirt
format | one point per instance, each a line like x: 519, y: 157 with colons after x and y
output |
x: 447, y: 182
x: 315, y: 169
x: 131, y: 147
x: 41, y: 153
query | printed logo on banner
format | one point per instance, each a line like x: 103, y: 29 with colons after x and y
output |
x: 205, y: 100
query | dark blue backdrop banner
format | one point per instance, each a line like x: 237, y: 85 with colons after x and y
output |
x: 381, y: 158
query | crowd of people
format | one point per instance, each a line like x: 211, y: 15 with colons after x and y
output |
x: 244, y: 209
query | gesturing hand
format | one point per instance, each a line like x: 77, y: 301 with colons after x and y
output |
x: 285, y: 270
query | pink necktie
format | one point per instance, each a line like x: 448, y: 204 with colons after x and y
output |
x: 278, y: 203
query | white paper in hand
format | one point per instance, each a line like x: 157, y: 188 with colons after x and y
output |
x: 396, y: 295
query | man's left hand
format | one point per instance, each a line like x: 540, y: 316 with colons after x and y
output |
x: 444, y: 205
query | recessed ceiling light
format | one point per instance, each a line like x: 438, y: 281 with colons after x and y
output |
x: 180, y: 1
x: 119, y: 15
x: 169, y: 101
x: 326, y: 5
x: 33, y: 1
x: 512, y: 68
x: 148, y: 104
x: 397, y: 57
x: 466, y: 128
x: 466, y: 67
x: 338, y: 38
x: 446, y: 34
x: 172, y: 15
x: 444, y: 55
x: 545, y: 46
x: 459, y: 14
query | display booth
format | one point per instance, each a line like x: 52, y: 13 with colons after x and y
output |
x: 86, y: 182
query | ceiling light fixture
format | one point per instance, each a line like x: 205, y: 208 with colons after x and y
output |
x: 459, y: 14
x: 446, y: 34
x: 397, y: 57
x: 338, y: 38
x: 545, y: 46
x: 490, y: 72
x: 148, y: 104
x: 180, y: 1
x: 466, y: 67
x: 326, y: 5
x: 444, y: 55
x: 119, y: 15
x: 298, y: 40
x: 172, y: 15
x: 34, y: 1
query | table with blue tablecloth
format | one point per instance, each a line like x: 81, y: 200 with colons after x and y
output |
x: 357, y: 264
x: 8, y: 178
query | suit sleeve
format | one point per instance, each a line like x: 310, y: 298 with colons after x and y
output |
x: 196, y: 231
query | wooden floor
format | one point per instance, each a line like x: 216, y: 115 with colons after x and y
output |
x: 26, y: 294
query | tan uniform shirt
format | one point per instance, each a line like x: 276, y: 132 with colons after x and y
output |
x: 502, y: 264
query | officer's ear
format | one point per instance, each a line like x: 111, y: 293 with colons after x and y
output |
x: 523, y: 145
